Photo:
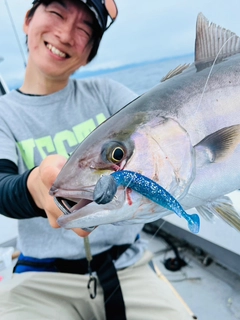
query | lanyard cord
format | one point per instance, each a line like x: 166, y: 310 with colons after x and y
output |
x: 92, y: 282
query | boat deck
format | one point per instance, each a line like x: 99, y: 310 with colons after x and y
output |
x: 210, y: 290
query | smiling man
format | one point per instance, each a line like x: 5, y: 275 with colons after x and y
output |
x: 40, y: 124
x: 60, y: 39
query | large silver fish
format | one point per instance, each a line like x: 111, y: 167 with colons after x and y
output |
x: 184, y: 134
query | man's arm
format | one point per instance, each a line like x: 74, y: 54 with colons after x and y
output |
x: 27, y: 195
x: 15, y: 199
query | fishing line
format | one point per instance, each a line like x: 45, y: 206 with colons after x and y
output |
x: 132, y: 178
x: 210, y: 72
x: 16, y: 34
x: 158, y: 229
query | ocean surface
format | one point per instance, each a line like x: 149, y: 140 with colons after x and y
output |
x: 140, y: 77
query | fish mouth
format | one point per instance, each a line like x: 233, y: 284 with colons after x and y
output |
x: 70, y: 201
x: 69, y: 206
x: 71, y: 209
x: 78, y: 206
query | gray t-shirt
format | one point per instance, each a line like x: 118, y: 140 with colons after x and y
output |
x: 32, y: 127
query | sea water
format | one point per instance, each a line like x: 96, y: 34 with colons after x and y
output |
x: 139, y: 77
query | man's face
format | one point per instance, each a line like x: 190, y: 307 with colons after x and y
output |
x: 59, y: 38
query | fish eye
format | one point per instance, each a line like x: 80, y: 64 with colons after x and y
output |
x: 117, y: 155
x: 114, y: 152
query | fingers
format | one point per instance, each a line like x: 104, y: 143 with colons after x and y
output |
x: 81, y: 232
x: 49, y: 171
x: 48, y: 175
x: 50, y: 168
x: 39, y: 183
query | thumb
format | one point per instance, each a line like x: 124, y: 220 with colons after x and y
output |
x: 50, y: 168
x: 49, y: 175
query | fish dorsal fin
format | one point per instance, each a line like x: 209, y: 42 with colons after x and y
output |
x: 179, y: 69
x: 223, y: 208
x: 212, y: 41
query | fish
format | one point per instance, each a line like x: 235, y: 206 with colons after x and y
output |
x: 183, y: 134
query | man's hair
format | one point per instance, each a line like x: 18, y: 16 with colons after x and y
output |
x: 97, y: 31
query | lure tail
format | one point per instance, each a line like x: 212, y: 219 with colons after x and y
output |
x: 193, y: 223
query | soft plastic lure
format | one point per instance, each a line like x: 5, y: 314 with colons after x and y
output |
x: 106, y: 189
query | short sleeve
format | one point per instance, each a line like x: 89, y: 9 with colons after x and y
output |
x: 115, y: 94
x: 7, y: 142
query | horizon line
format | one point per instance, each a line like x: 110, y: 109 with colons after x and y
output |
x: 82, y: 73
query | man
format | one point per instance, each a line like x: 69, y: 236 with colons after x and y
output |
x: 40, y: 124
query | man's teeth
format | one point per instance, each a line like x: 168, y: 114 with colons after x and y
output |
x: 56, y: 51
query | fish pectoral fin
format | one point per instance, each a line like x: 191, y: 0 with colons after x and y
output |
x: 223, y: 208
x: 219, y: 145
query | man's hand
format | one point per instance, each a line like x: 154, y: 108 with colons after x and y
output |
x: 39, y: 183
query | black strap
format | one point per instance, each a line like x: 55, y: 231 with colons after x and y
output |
x: 113, y: 298
x: 81, y: 266
x: 102, y: 263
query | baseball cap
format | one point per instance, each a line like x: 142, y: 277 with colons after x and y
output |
x: 102, y: 10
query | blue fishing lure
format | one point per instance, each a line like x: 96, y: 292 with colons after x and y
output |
x: 106, y: 189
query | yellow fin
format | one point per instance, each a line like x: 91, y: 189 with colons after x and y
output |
x: 172, y: 73
x: 223, y: 208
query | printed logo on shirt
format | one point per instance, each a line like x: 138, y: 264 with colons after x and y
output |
x: 63, y: 143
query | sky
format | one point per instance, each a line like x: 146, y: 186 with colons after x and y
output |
x: 144, y: 31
